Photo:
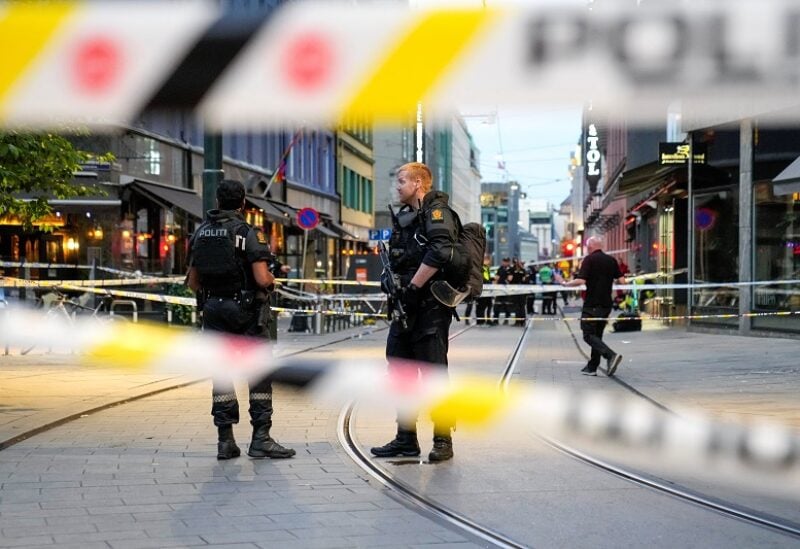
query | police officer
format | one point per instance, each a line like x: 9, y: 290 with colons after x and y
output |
x: 424, y: 234
x: 228, y: 267
x: 502, y: 304
x: 484, y: 309
x: 518, y: 277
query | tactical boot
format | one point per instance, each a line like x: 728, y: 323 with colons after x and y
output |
x: 442, y: 449
x: 226, y: 447
x: 262, y: 446
x: 404, y: 444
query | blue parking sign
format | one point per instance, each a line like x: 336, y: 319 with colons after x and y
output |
x: 380, y: 234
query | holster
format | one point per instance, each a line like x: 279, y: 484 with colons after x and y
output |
x: 247, y: 299
x: 200, y: 297
x: 264, y: 317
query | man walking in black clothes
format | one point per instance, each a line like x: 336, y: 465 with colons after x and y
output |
x: 598, y: 271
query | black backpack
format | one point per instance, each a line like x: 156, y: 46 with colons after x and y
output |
x: 466, y: 264
x: 217, y: 257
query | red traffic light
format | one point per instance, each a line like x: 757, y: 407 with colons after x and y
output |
x: 568, y: 249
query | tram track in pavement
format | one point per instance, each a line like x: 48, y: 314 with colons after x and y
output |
x: 416, y: 499
x: 20, y: 437
x: 683, y: 493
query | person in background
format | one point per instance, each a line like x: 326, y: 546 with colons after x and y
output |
x: 502, y: 302
x: 483, y: 311
x: 598, y: 272
x: 518, y: 277
x: 530, y: 299
x: 548, y: 298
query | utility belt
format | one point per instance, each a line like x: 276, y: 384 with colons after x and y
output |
x: 247, y: 299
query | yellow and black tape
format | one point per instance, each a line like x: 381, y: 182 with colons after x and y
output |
x: 104, y: 62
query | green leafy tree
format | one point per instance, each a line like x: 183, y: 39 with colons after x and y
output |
x: 38, y: 167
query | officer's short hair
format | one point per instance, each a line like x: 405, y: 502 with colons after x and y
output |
x: 230, y: 194
x: 419, y: 170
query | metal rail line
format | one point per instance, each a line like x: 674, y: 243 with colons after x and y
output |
x: 681, y: 492
x: 408, y: 494
x: 72, y: 417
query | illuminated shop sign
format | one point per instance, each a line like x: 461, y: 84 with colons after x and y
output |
x: 592, y: 149
x: 671, y: 154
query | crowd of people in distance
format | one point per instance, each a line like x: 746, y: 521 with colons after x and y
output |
x: 488, y: 310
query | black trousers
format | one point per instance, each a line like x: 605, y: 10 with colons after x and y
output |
x: 483, y: 310
x: 549, y: 303
x: 226, y: 315
x: 530, y: 301
x: 593, y: 333
x: 518, y: 302
x: 425, y: 341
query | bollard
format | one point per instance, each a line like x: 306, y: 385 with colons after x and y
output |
x: 318, y: 322
x: 169, y: 316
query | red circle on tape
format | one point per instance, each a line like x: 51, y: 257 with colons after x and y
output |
x: 308, y: 61
x: 97, y: 64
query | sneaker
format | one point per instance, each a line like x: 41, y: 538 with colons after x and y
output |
x: 588, y: 371
x: 613, y: 363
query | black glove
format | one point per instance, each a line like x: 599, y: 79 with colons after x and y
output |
x: 410, y: 297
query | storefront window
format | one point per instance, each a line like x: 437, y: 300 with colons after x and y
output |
x: 777, y: 253
x: 716, y: 257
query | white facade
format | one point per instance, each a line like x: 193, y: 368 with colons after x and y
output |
x: 465, y: 197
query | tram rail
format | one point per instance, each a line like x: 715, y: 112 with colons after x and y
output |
x: 681, y: 492
x: 77, y: 415
x: 345, y: 428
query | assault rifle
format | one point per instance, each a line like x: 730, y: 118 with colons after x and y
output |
x: 392, y: 282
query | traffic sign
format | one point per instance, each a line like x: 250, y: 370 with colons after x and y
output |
x: 380, y: 234
x: 307, y: 218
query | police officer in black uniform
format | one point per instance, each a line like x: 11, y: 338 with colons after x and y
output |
x: 228, y: 268
x: 421, y: 246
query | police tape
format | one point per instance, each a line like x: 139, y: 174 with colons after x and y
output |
x: 489, y: 290
x: 330, y: 282
x: 630, y: 427
x: 503, y: 291
x: 42, y: 265
x: 13, y: 282
x: 104, y: 62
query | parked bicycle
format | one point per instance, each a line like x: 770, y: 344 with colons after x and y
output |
x: 59, y: 305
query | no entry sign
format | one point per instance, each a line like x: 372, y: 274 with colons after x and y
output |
x: 307, y: 218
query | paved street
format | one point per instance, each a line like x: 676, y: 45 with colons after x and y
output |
x: 143, y: 474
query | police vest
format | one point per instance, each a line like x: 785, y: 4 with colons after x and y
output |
x: 218, y: 256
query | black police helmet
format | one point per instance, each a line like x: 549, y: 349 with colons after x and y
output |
x: 230, y: 194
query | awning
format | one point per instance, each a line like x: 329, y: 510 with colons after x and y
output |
x: 326, y: 231
x: 185, y: 199
x: 641, y: 178
x: 342, y: 231
x: 788, y: 181
x: 269, y: 209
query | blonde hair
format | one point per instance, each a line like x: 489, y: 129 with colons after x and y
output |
x: 418, y: 170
